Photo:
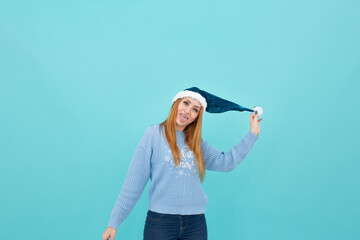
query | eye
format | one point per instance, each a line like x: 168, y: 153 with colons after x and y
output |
x: 186, y: 103
x: 195, y: 110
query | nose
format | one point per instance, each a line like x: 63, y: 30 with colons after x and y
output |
x: 187, y: 110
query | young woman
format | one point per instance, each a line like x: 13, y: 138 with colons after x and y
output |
x: 174, y: 157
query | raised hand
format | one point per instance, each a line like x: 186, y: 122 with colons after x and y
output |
x: 255, y: 123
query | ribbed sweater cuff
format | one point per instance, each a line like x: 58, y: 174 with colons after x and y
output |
x: 113, y: 224
x: 251, y: 136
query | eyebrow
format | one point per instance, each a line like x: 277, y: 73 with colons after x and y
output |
x: 190, y: 102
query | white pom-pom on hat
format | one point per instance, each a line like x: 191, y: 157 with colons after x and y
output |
x: 259, y: 111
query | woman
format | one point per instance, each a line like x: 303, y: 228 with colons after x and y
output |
x: 174, y: 156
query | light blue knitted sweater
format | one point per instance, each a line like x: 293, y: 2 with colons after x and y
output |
x: 173, y: 189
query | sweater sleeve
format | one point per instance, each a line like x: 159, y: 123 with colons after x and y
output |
x: 227, y: 161
x: 136, y: 178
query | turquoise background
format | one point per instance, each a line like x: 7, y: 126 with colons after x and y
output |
x: 80, y: 81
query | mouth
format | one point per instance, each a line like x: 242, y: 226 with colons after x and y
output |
x: 183, y: 118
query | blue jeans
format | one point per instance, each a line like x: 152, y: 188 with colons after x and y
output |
x: 161, y: 226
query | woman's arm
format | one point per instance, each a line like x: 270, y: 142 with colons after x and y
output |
x: 135, y: 182
x: 226, y: 161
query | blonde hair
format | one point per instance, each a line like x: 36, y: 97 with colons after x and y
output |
x: 192, y: 137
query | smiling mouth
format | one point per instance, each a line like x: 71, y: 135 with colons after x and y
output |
x: 183, y: 118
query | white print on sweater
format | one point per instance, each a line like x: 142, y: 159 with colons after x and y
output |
x: 187, y: 165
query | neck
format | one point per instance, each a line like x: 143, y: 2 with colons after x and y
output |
x: 178, y: 128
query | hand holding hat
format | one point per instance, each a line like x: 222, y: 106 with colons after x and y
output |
x: 254, y: 121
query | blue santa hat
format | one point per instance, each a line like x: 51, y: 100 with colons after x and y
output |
x: 212, y: 103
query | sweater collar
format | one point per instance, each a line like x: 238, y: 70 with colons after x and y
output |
x: 180, y: 133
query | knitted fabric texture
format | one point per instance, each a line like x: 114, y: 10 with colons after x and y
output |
x: 173, y: 189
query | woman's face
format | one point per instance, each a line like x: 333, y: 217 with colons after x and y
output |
x: 188, y: 111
